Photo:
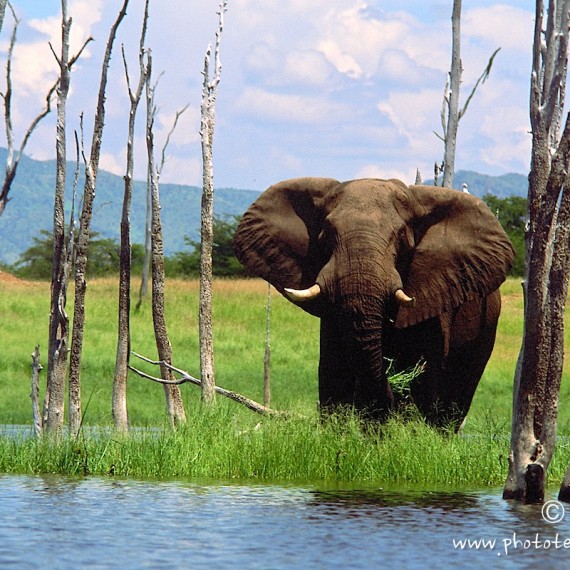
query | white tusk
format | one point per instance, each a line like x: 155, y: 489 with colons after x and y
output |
x: 403, y: 299
x: 301, y: 295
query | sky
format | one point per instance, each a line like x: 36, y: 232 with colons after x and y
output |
x: 339, y: 88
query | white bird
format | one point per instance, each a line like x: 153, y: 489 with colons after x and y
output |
x: 465, y: 188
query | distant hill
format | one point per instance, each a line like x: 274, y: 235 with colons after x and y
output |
x: 481, y: 184
x: 31, y: 207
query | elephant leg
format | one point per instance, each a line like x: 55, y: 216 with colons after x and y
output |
x: 450, y: 382
x: 345, y: 375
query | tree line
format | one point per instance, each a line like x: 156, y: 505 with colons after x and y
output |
x: 103, y: 260
x: 104, y: 253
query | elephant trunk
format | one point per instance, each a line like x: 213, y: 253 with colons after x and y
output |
x: 351, y: 369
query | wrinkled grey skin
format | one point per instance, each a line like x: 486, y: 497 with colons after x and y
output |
x: 361, y: 241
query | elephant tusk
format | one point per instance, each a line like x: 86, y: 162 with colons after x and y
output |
x: 403, y: 299
x: 302, y: 295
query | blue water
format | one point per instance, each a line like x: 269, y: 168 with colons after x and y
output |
x: 56, y: 522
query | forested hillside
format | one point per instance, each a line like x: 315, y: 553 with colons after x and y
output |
x: 30, y: 209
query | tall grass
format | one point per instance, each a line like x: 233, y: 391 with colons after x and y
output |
x: 228, y: 442
x: 218, y: 445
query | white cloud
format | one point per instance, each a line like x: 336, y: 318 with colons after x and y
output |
x: 491, y: 23
x: 182, y: 170
x: 283, y: 108
x: 344, y: 88
x: 413, y: 112
x: 308, y: 67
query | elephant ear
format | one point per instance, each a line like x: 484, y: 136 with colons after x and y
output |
x: 461, y: 253
x: 278, y: 235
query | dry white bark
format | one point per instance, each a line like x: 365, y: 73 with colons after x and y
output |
x: 451, y: 114
x: 13, y: 158
x: 210, y: 89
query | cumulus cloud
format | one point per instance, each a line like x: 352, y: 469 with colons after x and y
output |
x: 344, y: 88
x: 283, y: 108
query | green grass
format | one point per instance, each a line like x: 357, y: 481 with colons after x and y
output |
x: 223, y: 445
x: 229, y: 442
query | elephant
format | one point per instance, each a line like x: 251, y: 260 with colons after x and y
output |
x: 396, y: 274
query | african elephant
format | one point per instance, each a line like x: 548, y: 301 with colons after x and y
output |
x: 396, y: 273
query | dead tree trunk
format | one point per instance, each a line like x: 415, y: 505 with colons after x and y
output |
x: 451, y: 114
x: 174, y: 404
x: 91, y: 170
x: 53, y: 412
x: 539, y: 367
x: 452, y: 97
x: 119, y: 404
x: 59, y: 321
x: 209, y: 93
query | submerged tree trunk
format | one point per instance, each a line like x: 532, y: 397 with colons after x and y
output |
x: 539, y: 367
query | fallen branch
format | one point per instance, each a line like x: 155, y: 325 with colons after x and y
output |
x: 188, y: 378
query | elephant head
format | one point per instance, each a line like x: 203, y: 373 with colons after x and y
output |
x: 371, y: 258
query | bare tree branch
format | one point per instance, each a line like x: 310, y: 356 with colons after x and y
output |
x: 169, y: 136
x: 188, y: 378
x: 11, y: 163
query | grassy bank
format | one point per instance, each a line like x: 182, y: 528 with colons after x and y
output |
x: 220, y: 446
x: 230, y: 442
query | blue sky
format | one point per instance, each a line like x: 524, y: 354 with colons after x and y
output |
x: 340, y: 88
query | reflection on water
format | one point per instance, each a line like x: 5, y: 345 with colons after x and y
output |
x: 49, y: 522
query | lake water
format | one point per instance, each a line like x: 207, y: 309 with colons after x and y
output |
x: 56, y: 522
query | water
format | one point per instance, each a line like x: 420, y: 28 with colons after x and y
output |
x: 56, y: 522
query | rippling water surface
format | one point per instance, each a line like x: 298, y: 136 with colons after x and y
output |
x: 55, y: 522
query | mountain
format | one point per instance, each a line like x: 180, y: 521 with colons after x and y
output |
x: 500, y: 186
x: 31, y: 207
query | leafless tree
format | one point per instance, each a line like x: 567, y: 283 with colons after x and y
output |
x: 13, y: 158
x: 209, y: 93
x: 545, y: 286
x: 119, y: 405
x: 174, y: 404
x: 143, y: 290
x: 451, y: 114
x: 54, y: 405
x: 59, y: 321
